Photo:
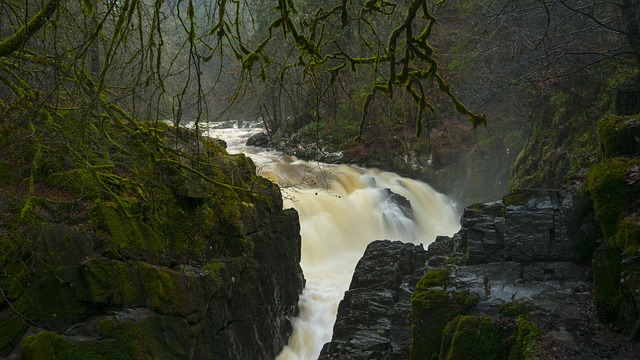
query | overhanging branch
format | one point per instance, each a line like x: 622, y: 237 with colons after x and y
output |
x: 20, y: 37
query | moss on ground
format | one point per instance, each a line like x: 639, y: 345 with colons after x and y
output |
x: 515, y: 308
x: 433, y: 278
x: 471, y: 337
x: 432, y: 309
x: 524, y: 346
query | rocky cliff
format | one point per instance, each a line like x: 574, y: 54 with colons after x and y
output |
x: 515, y: 282
x: 124, y: 240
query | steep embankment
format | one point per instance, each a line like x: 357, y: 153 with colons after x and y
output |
x: 127, y: 241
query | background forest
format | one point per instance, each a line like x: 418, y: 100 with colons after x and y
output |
x: 400, y: 77
x: 475, y: 97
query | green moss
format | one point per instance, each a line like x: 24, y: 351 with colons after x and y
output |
x: 433, y: 278
x: 79, y: 182
x: 524, y: 343
x: 12, y: 328
x: 619, y: 135
x: 515, y: 308
x: 611, y: 191
x: 627, y: 236
x: 162, y: 290
x: 518, y: 197
x: 432, y: 309
x: 109, y: 282
x: 471, y: 337
x: 213, y: 272
x: 606, y: 271
x: 121, y: 340
x: 130, y: 237
x: 493, y: 209
x: 47, y: 345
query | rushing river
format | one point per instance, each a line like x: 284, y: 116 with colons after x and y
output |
x: 342, y: 209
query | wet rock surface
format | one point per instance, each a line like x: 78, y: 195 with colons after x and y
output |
x: 522, y: 255
x: 374, y: 320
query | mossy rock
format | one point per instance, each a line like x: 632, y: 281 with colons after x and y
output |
x: 614, y: 186
x: 12, y: 328
x: 519, y: 197
x: 524, y: 346
x: 494, y: 209
x: 627, y: 236
x: 515, y: 308
x: 109, y: 283
x: 619, y: 135
x: 432, y: 309
x: 129, y: 236
x: 433, y: 278
x: 78, y: 182
x: 47, y: 345
x: 11, y: 173
x: 606, y: 270
x: 119, y: 340
x: 471, y: 337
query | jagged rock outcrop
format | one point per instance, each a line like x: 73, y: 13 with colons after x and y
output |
x: 374, y: 318
x: 147, y: 252
x: 526, y: 226
x: 514, y: 279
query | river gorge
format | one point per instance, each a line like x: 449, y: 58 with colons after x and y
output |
x: 342, y: 209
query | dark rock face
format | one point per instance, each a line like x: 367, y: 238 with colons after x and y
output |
x: 176, y: 268
x: 522, y: 255
x: 529, y: 225
x: 374, y: 318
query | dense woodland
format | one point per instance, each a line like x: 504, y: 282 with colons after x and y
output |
x: 87, y: 87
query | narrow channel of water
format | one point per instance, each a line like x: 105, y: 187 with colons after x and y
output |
x: 342, y: 209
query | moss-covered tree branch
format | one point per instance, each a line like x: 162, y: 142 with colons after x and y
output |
x: 20, y: 37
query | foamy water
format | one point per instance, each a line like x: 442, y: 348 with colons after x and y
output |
x: 342, y: 209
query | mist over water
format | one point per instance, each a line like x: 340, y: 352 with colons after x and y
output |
x: 342, y: 209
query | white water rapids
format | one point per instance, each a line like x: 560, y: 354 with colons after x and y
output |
x: 342, y: 209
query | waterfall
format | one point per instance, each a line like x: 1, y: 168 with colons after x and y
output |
x: 342, y: 209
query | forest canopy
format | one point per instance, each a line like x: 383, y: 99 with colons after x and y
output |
x: 192, y: 60
x: 161, y: 59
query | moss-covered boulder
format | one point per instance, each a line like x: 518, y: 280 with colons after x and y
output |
x: 432, y: 309
x: 472, y: 337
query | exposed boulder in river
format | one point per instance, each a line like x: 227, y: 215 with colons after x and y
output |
x: 259, y: 139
